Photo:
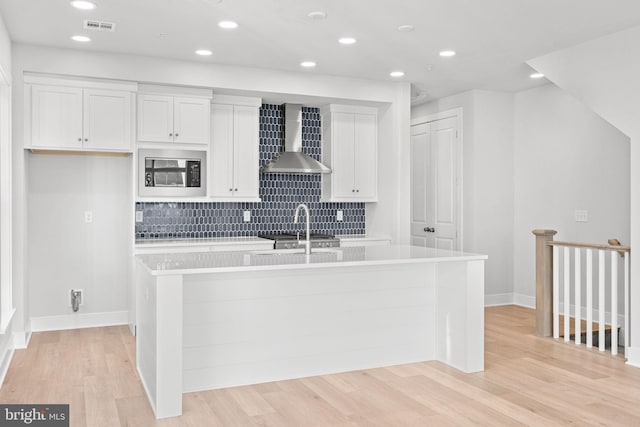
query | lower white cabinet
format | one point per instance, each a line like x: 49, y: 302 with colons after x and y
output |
x: 77, y: 118
x: 234, y: 152
x: 350, y: 149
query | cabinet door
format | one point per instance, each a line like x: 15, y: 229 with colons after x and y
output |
x: 365, y: 165
x: 155, y: 118
x: 56, y: 117
x: 246, y: 152
x: 343, y: 155
x: 191, y: 120
x: 221, y: 152
x: 107, y: 119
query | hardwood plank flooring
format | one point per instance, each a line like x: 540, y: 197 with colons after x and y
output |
x: 527, y: 381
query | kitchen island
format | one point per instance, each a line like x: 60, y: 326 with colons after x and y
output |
x: 224, y: 319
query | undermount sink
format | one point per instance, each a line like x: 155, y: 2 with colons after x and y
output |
x: 297, y: 251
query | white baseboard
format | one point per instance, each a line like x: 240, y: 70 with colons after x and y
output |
x: 633, y: 357
x: 79, y: 321
x: 21, y: 339
x: 524, y: 300
x: 4, y: 364
x: 498, y: 299
x: 494, y: 300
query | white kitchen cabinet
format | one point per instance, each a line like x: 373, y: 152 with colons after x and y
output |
x: 180, y: 119
x: 350, y: 149
x: 234, y: 152
x: 65, y: 117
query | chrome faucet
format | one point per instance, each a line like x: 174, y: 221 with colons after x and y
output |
x: 295, y: 221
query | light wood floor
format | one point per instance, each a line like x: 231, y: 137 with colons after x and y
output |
x: 527, y: 381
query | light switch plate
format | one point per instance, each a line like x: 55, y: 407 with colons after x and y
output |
x: 581, y: 215
x: 246, y: 216
x: 339, y: 216
x: 139, y: 216
x: 88, y: 217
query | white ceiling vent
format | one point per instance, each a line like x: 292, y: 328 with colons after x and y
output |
x: 99, y: 25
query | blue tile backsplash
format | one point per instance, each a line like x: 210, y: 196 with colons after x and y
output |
x: 280, y: 194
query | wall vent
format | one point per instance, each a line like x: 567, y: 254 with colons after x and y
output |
x: 99, y: 25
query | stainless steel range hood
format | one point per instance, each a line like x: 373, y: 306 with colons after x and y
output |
x: 293, y: 160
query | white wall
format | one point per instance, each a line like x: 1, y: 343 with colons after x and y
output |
x: 66, y: 253
x: 566, y: 158
x: 603, y: 74
x: 487, y: 182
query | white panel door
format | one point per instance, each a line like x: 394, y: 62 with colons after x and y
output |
x: 420, y: 185
x: 366, y: 159
x: 343, y: 155
x: 191, y: 120
x: 107, y: 119
x: 434, y: 186
x: 221, y: 152
x: 56, y: 117
x: 246, y: 152
x: 155, y: 118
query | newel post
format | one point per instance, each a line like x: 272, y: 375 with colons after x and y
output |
x: 544, y: 282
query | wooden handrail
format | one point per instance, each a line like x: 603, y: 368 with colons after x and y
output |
x: 589, y: 246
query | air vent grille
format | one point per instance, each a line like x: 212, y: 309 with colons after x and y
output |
x: 99, y: 25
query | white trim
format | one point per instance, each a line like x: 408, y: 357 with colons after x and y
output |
x: 6, y: 362
x: 6, y: 320
x: 458, y: 114
x: 21, y: 339
x: 454, y: 112
x: 494, y: 300
x: 82, y: 82
x: 194, y: 92
x: 236, y: 100
x: 633, y: 356
x: 6, y: 215
x: 150, y: 398
x: 524, y: 300
x: 79, y: 321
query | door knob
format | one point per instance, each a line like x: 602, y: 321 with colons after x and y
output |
x: 430, y: 229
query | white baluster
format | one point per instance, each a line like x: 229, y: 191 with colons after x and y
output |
x: 601, y: 300
x: 626, y: 305
x: 614, y: 303
x: 578, y: 299
x: 589, y: 298
x: 567, y: 293
x: 556, y: 292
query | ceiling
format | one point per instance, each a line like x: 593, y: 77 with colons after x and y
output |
x: 492, y: 38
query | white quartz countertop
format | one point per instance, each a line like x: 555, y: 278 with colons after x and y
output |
x: 224, y: 262
x: 201, y: 242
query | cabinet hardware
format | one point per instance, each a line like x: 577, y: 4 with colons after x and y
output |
x: 235, y: 189
x: 86, y: 140
x: 79, y: 139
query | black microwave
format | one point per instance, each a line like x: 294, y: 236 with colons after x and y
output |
x: 171, y: 173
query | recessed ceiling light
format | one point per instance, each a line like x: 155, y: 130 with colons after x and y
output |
x: 203, y: 52
x: 317, y: 15
x: 308, y: 64
x: 347, y: 40
x: 396, y: 73
x: 536, y: 75
x: 84, y: 5
x: 81, y: 39
x: 229, y: 25
x: 447, y: 53
x: 406, y: 28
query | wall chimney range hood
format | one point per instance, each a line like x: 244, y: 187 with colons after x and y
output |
x: 293, y: 160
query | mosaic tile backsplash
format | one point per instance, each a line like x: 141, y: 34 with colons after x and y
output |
x: 280, y: 194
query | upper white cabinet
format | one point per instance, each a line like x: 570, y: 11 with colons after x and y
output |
x: 87, y: 119
x: 350, y: 149
x: 166, y: 118
x: 234, y: 152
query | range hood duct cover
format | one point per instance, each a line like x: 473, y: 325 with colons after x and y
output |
x: 293, y: 160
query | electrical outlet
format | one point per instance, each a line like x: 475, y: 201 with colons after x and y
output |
x: 581, y: 215
x: 71, y: 291
x: 88, y: 217
x: 339, y: 215
x: 246, y: 216
x: 139, y: 216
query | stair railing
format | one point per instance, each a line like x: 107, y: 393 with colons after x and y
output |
x: 555, y: 277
